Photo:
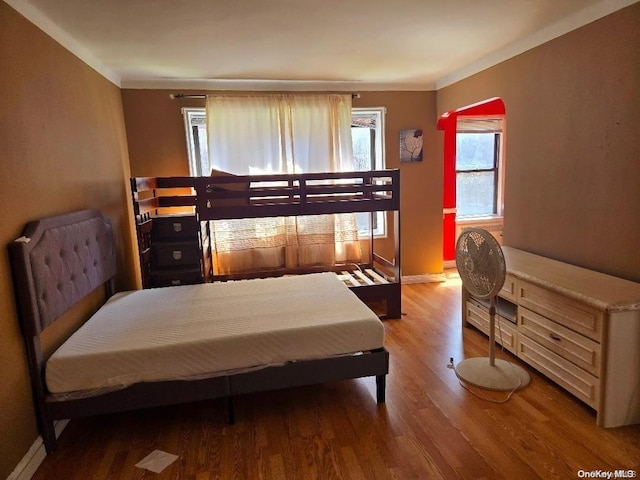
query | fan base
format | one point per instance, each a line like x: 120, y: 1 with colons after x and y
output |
x: 502, y: 377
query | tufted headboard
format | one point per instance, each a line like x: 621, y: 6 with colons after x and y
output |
x: 58, y: 261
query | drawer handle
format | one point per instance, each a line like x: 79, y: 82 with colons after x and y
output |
x: 177, y: 254
x: 177, y: 227
x: 175, y: 282
x: 555, y: 337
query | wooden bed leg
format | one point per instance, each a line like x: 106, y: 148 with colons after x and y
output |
x: 36, y: 367
x: 381, y: 383
x: 394, y: 306
x: 231, y: 416
x: 49, y: 436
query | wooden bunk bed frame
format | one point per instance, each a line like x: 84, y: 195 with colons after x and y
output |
x: 60, y: 260
x: 224, y: 196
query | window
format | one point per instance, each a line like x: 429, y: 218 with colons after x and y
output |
x: 195, y: 126
x: 367, y: 134
x: 478, y: 168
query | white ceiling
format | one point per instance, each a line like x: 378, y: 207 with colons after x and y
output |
x: 303, y: 44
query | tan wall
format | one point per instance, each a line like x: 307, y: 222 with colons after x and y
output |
x: 63, y: 148
x: 420, y: 182
x: 157, y: 147
x: 572, y: 188
x: 155, y: 132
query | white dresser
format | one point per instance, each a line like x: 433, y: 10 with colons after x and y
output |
x: 578, y: 327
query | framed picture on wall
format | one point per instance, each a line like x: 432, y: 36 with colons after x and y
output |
x: 411, y: 145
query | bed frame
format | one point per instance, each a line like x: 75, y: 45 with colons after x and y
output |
x: 225, y: 196
x: 59, y: 260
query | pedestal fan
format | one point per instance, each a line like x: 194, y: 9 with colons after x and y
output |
x: 480, y: 263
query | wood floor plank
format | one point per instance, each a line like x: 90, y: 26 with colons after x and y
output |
x: 429, y: 427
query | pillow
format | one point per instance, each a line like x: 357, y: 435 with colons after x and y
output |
x: 236, y: 187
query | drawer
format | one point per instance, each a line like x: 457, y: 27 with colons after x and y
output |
x: 579, y: 350
x: 564, y: 373
x: 509, y: 289
x: 170, y: 278
x: 175, y: 227
x: 168, y: 255
x: 505, y: 332
x: 568, y: 312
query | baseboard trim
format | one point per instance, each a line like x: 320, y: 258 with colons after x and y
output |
x: 425, y: 278
x: 449, y: 264
x: 27, y: 467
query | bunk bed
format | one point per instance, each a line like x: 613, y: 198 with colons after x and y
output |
x: 375, y: 279
x: 60, y: 260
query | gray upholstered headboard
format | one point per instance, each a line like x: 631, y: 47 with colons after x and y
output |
x: 58, y: 261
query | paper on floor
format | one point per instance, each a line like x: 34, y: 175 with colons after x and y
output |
x: 157, y: 461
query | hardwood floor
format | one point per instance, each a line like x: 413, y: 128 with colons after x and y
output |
x: 429, y: 428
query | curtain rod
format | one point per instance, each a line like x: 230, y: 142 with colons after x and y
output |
x: 177, y: 96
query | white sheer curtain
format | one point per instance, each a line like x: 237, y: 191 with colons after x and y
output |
x: 289, y: 133
x: 280, y: 133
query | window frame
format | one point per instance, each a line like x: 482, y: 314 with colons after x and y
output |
x: 195, y: 164
x: 496, y: 127
x: 379, y: 161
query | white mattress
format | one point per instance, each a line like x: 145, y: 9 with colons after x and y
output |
x: 196, y: 330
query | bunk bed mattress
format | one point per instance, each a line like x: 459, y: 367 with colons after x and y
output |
x: 199, y: 331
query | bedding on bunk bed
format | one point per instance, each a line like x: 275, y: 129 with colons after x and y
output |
x: 200, y: 331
